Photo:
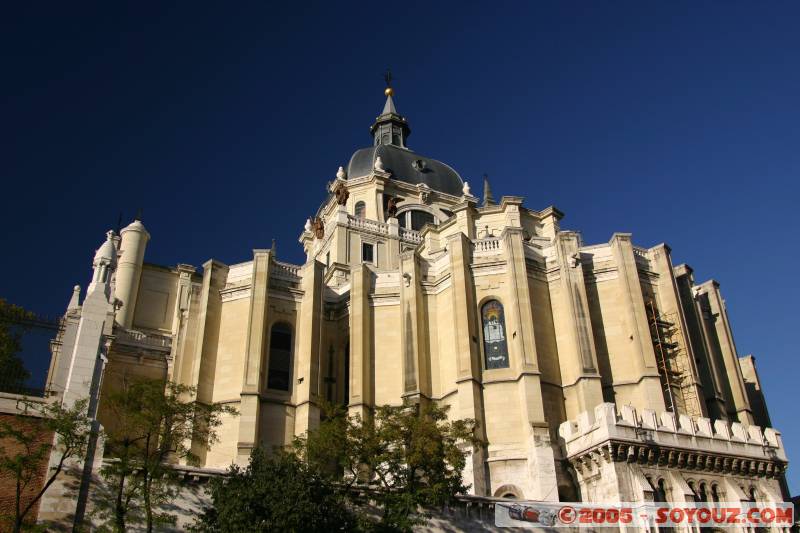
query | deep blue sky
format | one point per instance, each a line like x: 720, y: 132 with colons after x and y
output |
x: 676, y: 121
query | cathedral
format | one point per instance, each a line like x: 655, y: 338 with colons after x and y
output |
x: 595, y: 372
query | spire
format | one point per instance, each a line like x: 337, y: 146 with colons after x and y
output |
x: 75, y: 301
x: 488, y: 199
x: 389, y: 108
x: 390, y: 127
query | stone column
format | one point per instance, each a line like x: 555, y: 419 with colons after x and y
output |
x: 361, y: 343
x: 469, y: 403
x: 645, y: 379
x: 307, y: 360
x: 669, y: 304
x: 718, y: 320
x: 338, y: 248
x: 214, y: 276
x: 414, y: 337
x: 180, y: 317
x: 577, y: 355
x: 255, y: 361
x: 393, y: 245
x: 709, y: 373
x: 541, y: 463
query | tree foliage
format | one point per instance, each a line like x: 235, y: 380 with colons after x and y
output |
x: 15, y: 375
x: 24, y: 451
x: 403, y: 458
x: 412, y: 456
x: 152, y: 424
x: 276, y: 492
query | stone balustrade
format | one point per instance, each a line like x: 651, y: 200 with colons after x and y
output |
x: 382, y: 228
x: 364, y: 224
x: 410, y: 235
x: 286, y: 271
x: 140, y: 339
x: 670, y: 438
x: 489, y: 246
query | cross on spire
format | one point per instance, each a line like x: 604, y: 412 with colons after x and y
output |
x: 387, y: 77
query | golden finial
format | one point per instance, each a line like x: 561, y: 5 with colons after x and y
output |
x: 388, y: 91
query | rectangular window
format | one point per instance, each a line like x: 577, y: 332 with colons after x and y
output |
x: 367, y: 252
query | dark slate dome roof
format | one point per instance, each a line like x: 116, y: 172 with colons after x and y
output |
x: 405, y: 165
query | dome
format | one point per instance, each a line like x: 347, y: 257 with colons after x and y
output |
x: 405, y: 165
x: 136, y: 225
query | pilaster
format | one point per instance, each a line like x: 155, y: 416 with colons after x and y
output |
x: 256, y: 355
x: 361, y: 377
x: 718, y: 320
x: 414, y: 338
x: 214, y: 277
x: 669, y: 305
x: 469, y: 401
x: 645, y: 380
x: 180, y: 317
x: 307, y: 361
x: 704, y: 353
x: 577, y: 354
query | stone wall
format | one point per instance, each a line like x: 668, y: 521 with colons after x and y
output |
x: 622, y: 456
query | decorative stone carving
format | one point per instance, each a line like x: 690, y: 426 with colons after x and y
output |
x: 424, y: 193
x: 379, y: 164
x: 340, y: 174
x: 340, y: 190
x: 308, y: 225
x: 466, y: 189
x: 319, y: 228
x: 391, y: 208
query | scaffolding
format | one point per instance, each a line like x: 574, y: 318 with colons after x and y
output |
x: 680, y: 394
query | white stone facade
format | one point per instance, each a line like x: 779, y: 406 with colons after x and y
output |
x: 623, y: 457
x: 407, y: 285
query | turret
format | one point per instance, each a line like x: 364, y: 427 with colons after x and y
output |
x: 129, y: 270
x: 390, y: 127
x: 104, y: 264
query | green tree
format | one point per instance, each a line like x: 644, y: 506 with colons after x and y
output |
x: 412, y: 454
x: 276, y: 492
x: 151, y: 425
x: 24, y: 452
x: 15, y: 375
x: 404, y: 459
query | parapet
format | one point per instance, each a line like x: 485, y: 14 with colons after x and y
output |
x: 679, y: 440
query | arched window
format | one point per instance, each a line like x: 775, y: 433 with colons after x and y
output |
x: 495, y: 347
x: 716, y: 495
x: 703, y: 494
x: 360, y: 210
x: 415, y: 219
x: 280, y: 357
x: 662, y: 491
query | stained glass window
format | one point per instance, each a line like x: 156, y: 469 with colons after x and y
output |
x: 495, y: 347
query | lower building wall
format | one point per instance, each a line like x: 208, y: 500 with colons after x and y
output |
x: 465, y: 513
x: 31, y: 426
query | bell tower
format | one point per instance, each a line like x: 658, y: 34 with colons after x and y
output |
x: 390, y: 127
